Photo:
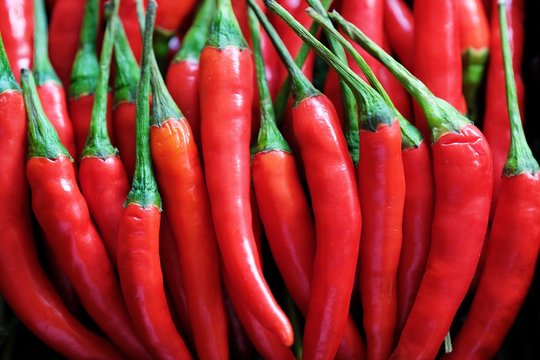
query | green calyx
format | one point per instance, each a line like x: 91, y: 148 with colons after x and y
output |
x: 98, y: 143
x: 284, y: 92
x: 269, y: 137
x: 442, y: 118
x: 127, y: 70
x: 411, y: 137
x: 474, y: 67
x: 302, y: 88
x: 195, y: 39
x: 86, y: 66
x: 163, y: 105
x: 144, y: 190
x: 43, y: 70
x: 7, y: 80
x: 43, y: 141
x: 520, y: 158
x: 225, y: 30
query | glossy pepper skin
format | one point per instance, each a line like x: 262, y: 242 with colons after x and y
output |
x: 439, y: 67
x: 496, y: 122
x: 474, y: 43
x: 225, y: 93
x: 460, y: 214
x: 514, y: 239
x: 62, y: 213
x: 64, y: 30
x: 180, y: 176
x: 328, y: 167
x: 183, y: 73
x: 50, y: 90
x: 125, y: 91
x: 399, y: 27
x: 84, y: 78
x: 138, y: 236
x: 17, y: 29
x: 32, y: 297
x: 284, y: 208
x: 102, y: 176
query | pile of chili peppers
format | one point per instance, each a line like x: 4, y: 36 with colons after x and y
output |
x: 245, y: 179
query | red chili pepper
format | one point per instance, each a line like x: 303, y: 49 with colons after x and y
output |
x: 103, y: 179
x: 63, y: 215
x: 50, y: 90
x: 496, y: 122
x: 514, y: 240
x: 138, y: 237
x: 23, y: 283
x: 183, y: 73
x: 130, y: 24
x: 439, y: 67
x: 226, y: 91
x: 17, y: 29
x: 84, y: 77
x: 328, y: 167
x: 125, y: 91
x: 180, y: 176
x: 460, y: 214
x: 474, y: 43
x: 284, y: 208
x: 64, y: 30
x: 418, y: 206
x: 399, y: 26
x: 168, y: 254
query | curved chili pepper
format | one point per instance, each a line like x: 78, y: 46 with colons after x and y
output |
x: 103, y: 180
x: 125, y: 91
x: 180, y: 176
x: 380, y: 165
x: 183, y: 73
x: 138, y: 237
x: 23, y: 283
x: 226, y: 91
x: 460, y: 214
x: 84, y: 77
x: 496, y: 122
x: 283, y: 205
x: 168, y: 254
x: 474, y: 44
x: 439, y: 67
x: 514, y: 240
x: 328, y: 167
x: 64, y: 31
x: 50, y: 90
x: 399, y: 26
x: 17, y: 29
x: 418, y: 206
x: 63, y: 215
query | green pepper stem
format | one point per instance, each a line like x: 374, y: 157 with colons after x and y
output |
x: 411, y: 137
x: 301, y: 86
x: 43, y: 70
x: 195, y: 39
x: 284, y: 92
x: 7, y: 80
x: 127, y: 70
x: 520, y: 158
x: 43, y: 140
x: 225, y: 30
x: 441, y: 117
x: 269, y: 137
x: 163, y: 105
x: 86, y: 66
x: 144, y: 190
x: 98, y: 143
x: 347, y: 96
